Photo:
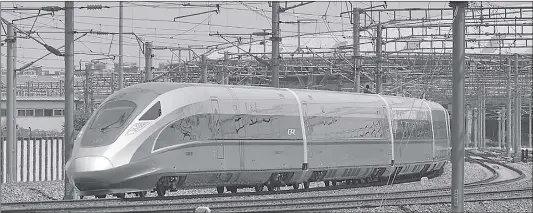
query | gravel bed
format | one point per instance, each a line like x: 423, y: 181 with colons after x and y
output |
x: 27, y: 191
x: 32, y: 191
x: 485, y: 206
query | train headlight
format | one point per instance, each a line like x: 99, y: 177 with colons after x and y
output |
x: 136, y: 128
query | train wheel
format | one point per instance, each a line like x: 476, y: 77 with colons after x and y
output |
x: 81, y: 197
x: 334, y: 183
x: 100, y: 196
x: 271, y: 188
x: 141, y: 194
x: 232, y: 189
x: 161, y: 191
x: 306, y: 185
x: 120, y: 195
x: 220, y: 189
x: 296, y: 186
x: 259, y: 187
x: 326, y: 183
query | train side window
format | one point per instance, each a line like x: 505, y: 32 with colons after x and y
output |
x: 153, y: 113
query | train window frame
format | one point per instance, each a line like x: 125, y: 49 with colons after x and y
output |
x: 154, y: 110
x: 132, y: 109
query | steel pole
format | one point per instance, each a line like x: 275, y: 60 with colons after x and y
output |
x: 518, y: 144
x: 10, y: 125
x: 204, y: 69
x: 516, y: 108
x: 225, y: 79
x: 504, y: 114
x: 120, y: 47
x: 483, y: 120
x: 509, y: 110
x: 530, y: 121
x: 148, y: 61
x: 518, y: 104
x: 475, y: 129
x: 500, y: 133
x: 14, y: 109
x: 275, y: 44
x: 458, y: 115
x: 1, y: 135
x: 69, y: 94
x: 356, y: 45
x: 264, y: 42
x: 179, y: 68
x: 298, y: 48
x: 469, y: 116
x: 379, y: 59
x: 86, y: 89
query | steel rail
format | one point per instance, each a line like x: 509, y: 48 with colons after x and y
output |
x: 104, y: 203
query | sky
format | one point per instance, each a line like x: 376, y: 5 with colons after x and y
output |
x: 153, y: 21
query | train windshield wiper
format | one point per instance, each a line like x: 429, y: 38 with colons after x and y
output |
x: 120, y: 120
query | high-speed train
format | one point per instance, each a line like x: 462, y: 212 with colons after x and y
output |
x: 168, y: 136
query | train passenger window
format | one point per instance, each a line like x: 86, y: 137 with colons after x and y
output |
x: 153, y: 113
x: 192, y: 128
x: 113, y: 114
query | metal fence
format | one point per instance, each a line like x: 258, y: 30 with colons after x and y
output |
x: 37, y: 159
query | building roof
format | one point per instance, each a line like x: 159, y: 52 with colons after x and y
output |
x: 39, y: 98
x: 21, y: 79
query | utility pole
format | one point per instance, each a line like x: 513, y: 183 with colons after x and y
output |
x: 499, y: 129
x: 120, y: 47
x: 1, y: 135
x: 356, y: 45
x: 264, y: 41
x: 86, y: 89
x: 10, y: 122
x: 518, y: 110
x: 299, y: 22
x: 509, y: 109
x: 503, y: 128
x: 458, y: 116
x: 476, y: 129
x: 179, y: 67
x: 204, y: 69
x: 69, y: 94
x: 299, y: 34
x: 275, y: 44
x: 469, y: 125
x: 225, y: 76
x: 379, y: 59
x: 483, y: 119
x: 529, y: 121
x: 148, y: 61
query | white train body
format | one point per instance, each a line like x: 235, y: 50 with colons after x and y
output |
x: 200, y: 135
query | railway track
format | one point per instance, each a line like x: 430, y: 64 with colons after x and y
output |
x: 241, y: 201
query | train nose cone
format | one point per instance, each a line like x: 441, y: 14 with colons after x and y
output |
x: 86, y: 172
x: 89, y: 164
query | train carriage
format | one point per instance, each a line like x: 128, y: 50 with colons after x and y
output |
x: 167, y: 136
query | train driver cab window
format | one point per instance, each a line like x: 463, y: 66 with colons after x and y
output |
x: 153, y: 113
x: 113, y: 115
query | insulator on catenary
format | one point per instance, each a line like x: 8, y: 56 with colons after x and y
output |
x: 94, y: 7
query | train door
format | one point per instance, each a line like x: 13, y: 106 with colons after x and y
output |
x: 216, y: 128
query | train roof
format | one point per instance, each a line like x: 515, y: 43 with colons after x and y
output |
x: 163, y: 87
